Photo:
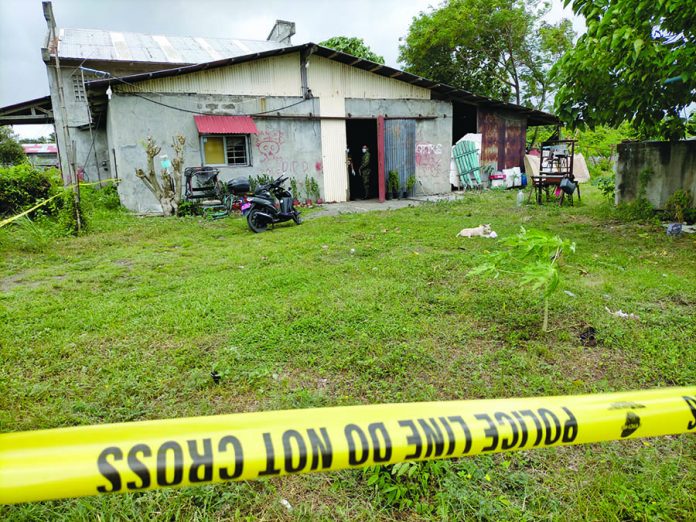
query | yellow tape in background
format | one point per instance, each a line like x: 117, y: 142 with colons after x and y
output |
x: 81, y: 461
x: 46, y: 201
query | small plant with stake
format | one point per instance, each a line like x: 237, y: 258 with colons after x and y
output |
x: 295, y: 192
x: 308, y: 190
x: 316, y: 193
x: 411, y: 184
x: 394, y: 183
x: 533, y: 255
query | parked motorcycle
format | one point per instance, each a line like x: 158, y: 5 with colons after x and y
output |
x: 263, y: 211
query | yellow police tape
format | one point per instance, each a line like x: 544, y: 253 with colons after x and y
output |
x: 80, y: 461
x: 46, y: 201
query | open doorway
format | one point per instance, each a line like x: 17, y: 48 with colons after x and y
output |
x: 463, y: 120
x: 359, y: 133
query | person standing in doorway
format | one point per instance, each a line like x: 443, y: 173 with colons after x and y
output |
x: 365, y: 171
x: 349, y: 163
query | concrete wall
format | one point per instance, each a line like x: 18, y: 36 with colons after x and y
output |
x: 291, y: 146
x: 433, y: 137
x: 671, y: 166
x: 78, y: 116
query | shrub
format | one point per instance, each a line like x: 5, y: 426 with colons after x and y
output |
x: 639, y: 209
x: 602, y: 176
x: 107, y: 198
x: 679, y: 207
x: 189, y: 208
x: 22, y: 186
x: 69, y: 212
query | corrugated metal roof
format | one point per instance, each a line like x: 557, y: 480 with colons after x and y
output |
x: 440, y: 91
x: 225, y: 125
x: 97, y: 44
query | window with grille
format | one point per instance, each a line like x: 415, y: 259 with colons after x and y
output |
x: 232, y: 149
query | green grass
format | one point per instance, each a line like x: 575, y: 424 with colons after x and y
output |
x: 127, y: 322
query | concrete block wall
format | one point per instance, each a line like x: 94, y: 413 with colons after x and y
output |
x: 669, y: 166
x: 290, y: 146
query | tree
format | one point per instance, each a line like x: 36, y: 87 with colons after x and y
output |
x: 51, y: 138
x: 352, y: 45
x: 636, y: 63
x: 11, y: 152
x: 550, y: 44
x: 167, y: 188
x: 497, y: 48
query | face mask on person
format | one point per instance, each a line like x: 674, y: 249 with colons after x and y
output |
x: 364, y: 150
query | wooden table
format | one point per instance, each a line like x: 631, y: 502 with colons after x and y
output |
x: 543, y: 182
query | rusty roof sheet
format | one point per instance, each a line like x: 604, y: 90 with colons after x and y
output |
x: 97, y: 44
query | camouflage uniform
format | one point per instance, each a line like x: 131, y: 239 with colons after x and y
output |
x: 365, y: 172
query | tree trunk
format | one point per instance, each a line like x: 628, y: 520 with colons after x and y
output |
x: 167, y: 190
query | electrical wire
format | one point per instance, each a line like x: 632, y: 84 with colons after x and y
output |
x: 181, y: 109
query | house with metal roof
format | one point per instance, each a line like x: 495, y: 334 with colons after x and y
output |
x: 41, y: 155
x: 259, y: 107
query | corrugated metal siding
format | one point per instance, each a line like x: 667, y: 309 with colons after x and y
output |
x: 488, y: 127
x: 400, y: 148
x: 503, y: 141
x: 514, y: 143
x: 276, y: 76
x: 327, y: 78
x: 333, y: 157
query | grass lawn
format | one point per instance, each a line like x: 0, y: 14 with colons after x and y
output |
x: 127, y: 322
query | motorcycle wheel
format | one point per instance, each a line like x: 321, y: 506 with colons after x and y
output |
x: 296, y: 218
x: 255, y: 225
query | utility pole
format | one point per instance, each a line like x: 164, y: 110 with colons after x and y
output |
x: 72, y: 173
x: 52, y: 45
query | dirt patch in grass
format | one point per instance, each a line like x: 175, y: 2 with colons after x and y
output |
x: 594, y: 364
x: 16, y: 280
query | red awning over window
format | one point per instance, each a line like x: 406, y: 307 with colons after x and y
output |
x: 225, y: 125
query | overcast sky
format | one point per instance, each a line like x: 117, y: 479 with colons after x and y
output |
x: 22, y: 28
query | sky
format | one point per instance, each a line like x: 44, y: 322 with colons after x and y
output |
x: 380, y: 23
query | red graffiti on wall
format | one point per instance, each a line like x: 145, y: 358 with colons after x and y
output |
x: 268, y: 144
x: 294, y: 167
x: 428, y: 156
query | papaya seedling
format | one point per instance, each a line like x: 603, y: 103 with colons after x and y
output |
x: 532, y: 256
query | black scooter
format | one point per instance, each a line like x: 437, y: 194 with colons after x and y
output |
x: 263, y: 211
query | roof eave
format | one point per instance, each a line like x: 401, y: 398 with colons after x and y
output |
x: 446, y: 92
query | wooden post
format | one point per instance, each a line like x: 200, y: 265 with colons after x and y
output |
x: 380, y: 159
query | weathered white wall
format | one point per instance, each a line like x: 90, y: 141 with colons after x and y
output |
x: 334, y: 83
x: 276, y: 76
x: 329, y: 78
x: 301, y: 148
x: 291, y: 146
x: 433, y: 136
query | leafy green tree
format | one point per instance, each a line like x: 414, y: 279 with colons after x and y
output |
x: 352, y: 45
x: 497, y: 48
x: 636, y: 63
x: 11, y: 152
x: 546, y: 48
x: 51, y: 138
